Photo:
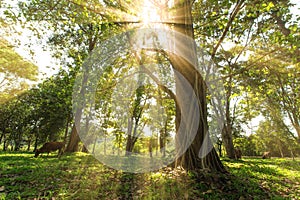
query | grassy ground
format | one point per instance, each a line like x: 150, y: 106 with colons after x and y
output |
x: 80, y: 176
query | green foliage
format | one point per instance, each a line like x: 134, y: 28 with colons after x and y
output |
x: 15, y: 72
x: 40, y: 113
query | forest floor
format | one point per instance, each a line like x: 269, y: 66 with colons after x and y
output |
x: 80, y: 176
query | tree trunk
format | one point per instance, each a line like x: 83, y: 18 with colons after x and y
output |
x: 280, y: 150
x: 28, y: 144
x: 129, y: 136
x: 2, y: 135
x: 130, y: 144
x: 84, y: 149
x: 219, y: 143
x: 227, y: 140
x: 94, y: 145
x: 105, y: 143
x: 162, y: 144
x: 201, y: 153
x: 227, y: 129
x: 292, y: 154
x: 150, y: 148
x: 36, y: 139
x: 156, y: 144
x: 74, y: 140
x: 67, y: 129
x: 74, y: 137
x: 4, y: 144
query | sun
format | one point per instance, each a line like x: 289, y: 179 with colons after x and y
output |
x: 149, y: 13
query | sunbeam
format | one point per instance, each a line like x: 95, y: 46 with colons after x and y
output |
x: 149, y: 13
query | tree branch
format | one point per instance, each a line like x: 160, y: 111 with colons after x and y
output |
x: 234, y: 13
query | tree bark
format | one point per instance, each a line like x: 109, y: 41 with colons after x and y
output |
x: 74, y: 140
x: 67, y: 129
x: 84, y: 149
x: 200, y: 154
x: 74, y: 137
x: 227, y: 140
x: 28, y: 144
x: 227, y: 129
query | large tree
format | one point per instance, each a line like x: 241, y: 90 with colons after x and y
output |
x: 198, y: 155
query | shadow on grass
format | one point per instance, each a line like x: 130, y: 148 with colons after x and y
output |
x: 81, y: 176
x: 126, y: 188
x: 272, y: 175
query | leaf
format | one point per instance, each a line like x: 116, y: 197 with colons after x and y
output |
x: 270, y: 5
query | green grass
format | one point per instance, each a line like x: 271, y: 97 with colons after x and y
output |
x: 80, y: 176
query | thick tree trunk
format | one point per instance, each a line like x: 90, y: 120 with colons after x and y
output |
x: 201, y: 153
x: 74, y: 140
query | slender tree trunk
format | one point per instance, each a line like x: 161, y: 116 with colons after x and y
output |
x: 219, y: 143
x: 129, y: 136
x: 156, y: 144
x: 67, y: 129
x: 292, y: 154
x: 280, y: 150
x: 36, y: 139
x: 136, y: 115
x: 4, y: 144
x: 227, y: 129
x: 162, y: 143
x: 105, y: 143
x: 1, y: 137
x: 28, y: 144
x: 227, y: 140
x: 150, y: 147
x: 18, y: 141
x: 74, y: 137
x: 84, y: 149
x: 94, y: 145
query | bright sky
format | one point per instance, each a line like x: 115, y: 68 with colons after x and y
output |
x: 42, y: 57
